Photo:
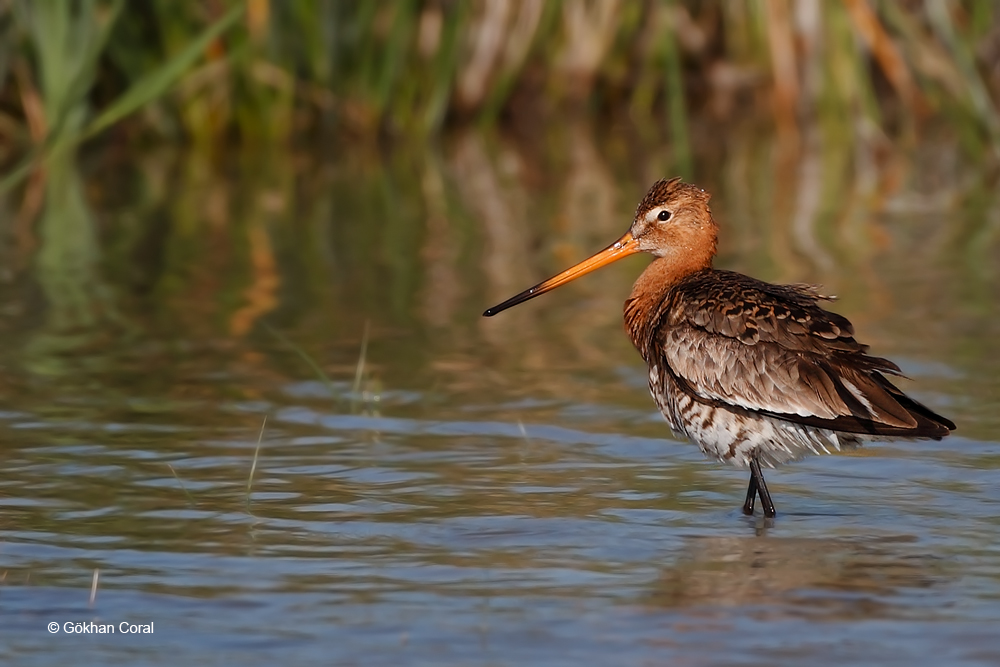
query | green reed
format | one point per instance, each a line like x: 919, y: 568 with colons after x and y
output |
x: 260, y: 70
x: 67, y: 40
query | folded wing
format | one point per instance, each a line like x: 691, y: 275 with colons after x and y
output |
x: 732, y: 340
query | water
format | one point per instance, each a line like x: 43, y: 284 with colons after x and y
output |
x: 435, y: 488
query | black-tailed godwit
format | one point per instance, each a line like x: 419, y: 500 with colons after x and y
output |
x: 749, y: 371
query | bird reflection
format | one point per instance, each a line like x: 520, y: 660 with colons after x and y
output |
x: 825, y: 577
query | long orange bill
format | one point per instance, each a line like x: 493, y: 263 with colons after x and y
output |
x: 623, y: 247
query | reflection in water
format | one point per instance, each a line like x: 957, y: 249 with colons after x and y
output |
x: 80, y: 303
x: 443, y: 289
x: 495, y: 197
x: 270, y: 183
x: 820, y: 578
x: 514, y: 498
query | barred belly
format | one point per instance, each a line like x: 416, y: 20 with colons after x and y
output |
x: 733, y: 433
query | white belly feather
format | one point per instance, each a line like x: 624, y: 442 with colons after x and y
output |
x: 731, y: 434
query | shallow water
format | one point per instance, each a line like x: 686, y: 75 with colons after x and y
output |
x: 431, y: 487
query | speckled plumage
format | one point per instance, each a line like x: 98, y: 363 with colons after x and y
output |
x: 749, y: 371
x: 738, y: 365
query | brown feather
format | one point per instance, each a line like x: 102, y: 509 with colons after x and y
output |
x: 740, y: 342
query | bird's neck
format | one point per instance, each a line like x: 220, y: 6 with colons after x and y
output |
x: 643, y: 306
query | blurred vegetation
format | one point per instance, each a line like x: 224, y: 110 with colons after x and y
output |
x: 265, y: 71
x: 840, y: 177
x: 156, y: 278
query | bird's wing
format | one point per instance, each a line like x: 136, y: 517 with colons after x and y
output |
x: 741, y: 342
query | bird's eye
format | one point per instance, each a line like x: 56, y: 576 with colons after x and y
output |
x: 663, y: 216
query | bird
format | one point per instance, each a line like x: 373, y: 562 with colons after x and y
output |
x: 752, y: 372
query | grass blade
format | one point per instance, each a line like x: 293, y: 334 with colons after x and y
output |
x: 93, y: 586
x: 142, y: 92
x: 183, y: 488
x: 324, y: 378
x: 157, y: 82
x: 253, y: 466
x: 359, y: 369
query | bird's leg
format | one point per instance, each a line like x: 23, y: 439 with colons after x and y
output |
x: 751, y: 494
x: 757, y: 479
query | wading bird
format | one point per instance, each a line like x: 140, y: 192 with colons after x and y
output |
x: 749, y: 371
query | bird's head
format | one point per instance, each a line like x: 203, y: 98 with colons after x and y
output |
x: 673, y: 221
x: 673, y: 218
